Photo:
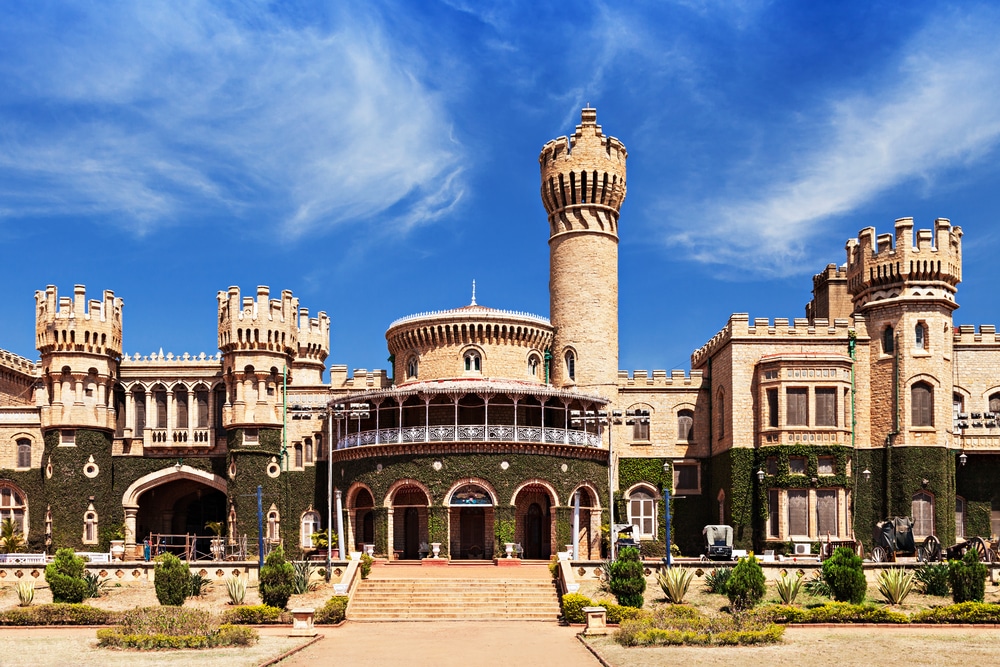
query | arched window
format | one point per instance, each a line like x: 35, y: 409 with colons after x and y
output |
x: 533, y: 363
x: 139, y: 397
x: 298, y: 454
x: 411, y: 369
x: 640, y: 424
x: 160, y: 399
x: 888, y: 340
x: 685, y: 425
x: 90, y: 526
x: 24, y: 453
x: 720, y: 408
x: 14, y: 506
x: 570, y: 365
x: 922, y: 404
x: 201, y: 401
x: 181, y: 401
x: 642, y: 513
x: 920, y: 336
x: 473, y: 362
x: 958, y: 405
x: 310, y: 524
x: 995, y: 403
x: 922, y: 509
x: 308, y: 446
x: 273, y: 533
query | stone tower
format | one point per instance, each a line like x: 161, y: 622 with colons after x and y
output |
x: 583, y: 186
x: 81, y: 347
x: 260, y: 339
x: 905, y: 288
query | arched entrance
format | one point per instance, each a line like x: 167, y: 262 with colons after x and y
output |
x: 409, y: 521
x: 364, y: 519
x: 471, y: 522
x: 533, y: 521
x: 179, y: 500
x: 589, y: 537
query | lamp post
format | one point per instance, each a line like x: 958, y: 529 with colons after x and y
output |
x: 338, y: 412
x: 603, y: 418
x: 666, y: 511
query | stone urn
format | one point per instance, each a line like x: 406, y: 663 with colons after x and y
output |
x: 508, y: 548
x: 118, y: 549
x: 218, y: 549
x: 370, y: 549
x: 435, y: 548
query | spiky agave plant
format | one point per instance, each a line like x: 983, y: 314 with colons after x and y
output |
x: 895, y: 584
x: 25, y: 592
x: 675, y: 581
x: 237, y: 589
x: 788, y: 586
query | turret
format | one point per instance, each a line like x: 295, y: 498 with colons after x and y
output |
x: 314, y: 346
x: 81, y: 346
x: 583, y: 186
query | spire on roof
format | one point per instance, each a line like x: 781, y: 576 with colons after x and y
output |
x: 473, y: 292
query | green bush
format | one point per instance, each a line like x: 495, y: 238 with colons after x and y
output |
x: 675, y: 625
x: 199, y: 584
x: 816, y: 585
x: 933, y: 579
x: 627, y: 579
x: 64, y: 576
x: 277, y: 579
x: 254, y: 614
x: 334, y: 611
x: 746, y: 586
x: 58, y: 614
x: 717, y: 578
x: 366, y: 565
x: 831, y: 612
x: 572, y: 607
x: 967, y: 578
x: 554, y: 567
x: 151, y: 628
x: 172, y: 580
x: 844, y: 574
x: 964, y: 612
x: 617, y: 613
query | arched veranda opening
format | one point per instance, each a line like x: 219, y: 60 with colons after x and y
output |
x: 471, y: 523
x: 409, y: 522
x: 180, y: 507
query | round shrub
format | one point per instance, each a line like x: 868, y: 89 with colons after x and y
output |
x: 844, y: 575
x: 627, y: 579
x: 172, y: 580
x: 968, y: 578
x: 277, y: 579
x: 745, y: 587
x: 64, y: 575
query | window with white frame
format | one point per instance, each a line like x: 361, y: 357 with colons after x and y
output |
x: 826, y: 465
x: 533, y: 363
x: 570, y: 365
x: 310, y: 525
x: 411, y: 368
x: 642, y: 513
x: 920, y: 336
x: 14, y: 506
x: 473, y: 362
x: 685, y: 425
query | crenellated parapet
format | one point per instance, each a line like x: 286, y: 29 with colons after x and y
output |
x: 967, y: 335
x: 660, y: 378
x: 17, y: 363
x: 796, y: 329
x: 65, y: 324
x: 583, y: 179
x: 927, y: 265
x: 263, y: 323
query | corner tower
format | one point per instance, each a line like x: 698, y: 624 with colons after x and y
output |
x: 583, y: 186
x: 81, y: 347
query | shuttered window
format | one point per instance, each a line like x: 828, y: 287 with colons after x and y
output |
x: 826, y: 512
x: 797, y: 407
x: 140, y: 413
x: 201, y: 398
x: 181, y: 397
x: 160, y: 397
x: 797, y: 465
x: 24, y: 453
x: 826, y: 466
x: 922, y: 408
x: 686, y: 478
x: 772, y: 407
x: 685, y: 425
x: 826, y: 406
x: 922, y: 510
x: 798, y: 512
x: 772, y: 513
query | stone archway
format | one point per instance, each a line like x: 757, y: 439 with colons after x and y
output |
x: 174, y: 500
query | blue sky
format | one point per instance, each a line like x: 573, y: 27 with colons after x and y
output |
x: 377, y: 157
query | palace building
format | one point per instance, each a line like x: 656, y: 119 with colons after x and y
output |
x: 495, y: 427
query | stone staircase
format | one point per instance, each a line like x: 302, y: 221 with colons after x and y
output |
x: 454, y: 599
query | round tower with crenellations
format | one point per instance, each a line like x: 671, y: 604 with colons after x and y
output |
x: 583, y: 186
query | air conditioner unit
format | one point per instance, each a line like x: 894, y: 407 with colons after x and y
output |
x: 802, y: 549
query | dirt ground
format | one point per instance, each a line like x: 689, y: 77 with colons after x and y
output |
x: 824, y: 647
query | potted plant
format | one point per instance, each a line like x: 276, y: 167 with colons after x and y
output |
x: 118, y: 536
x: 320, y: 543
x: 218, y: 548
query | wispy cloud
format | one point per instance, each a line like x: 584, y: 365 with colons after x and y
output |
x: 159, y: 110
x: 936, y: 109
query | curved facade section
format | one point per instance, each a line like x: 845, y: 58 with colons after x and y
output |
x: 470, y: 342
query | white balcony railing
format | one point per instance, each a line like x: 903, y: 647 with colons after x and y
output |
x: 470, y: 433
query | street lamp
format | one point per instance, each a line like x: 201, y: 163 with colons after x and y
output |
x: 760, y: 476
x: 603, y: 418
x: 867, y: 474
x: 338, y: 412
x: 666, y: 512
x: 962, y: 458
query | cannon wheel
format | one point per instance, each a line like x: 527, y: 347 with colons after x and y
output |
x: 878, y: 555
x: 979, y: 544
x: 932, y: 549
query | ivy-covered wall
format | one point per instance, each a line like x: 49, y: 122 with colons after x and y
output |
x: 455, y: 467
x: 632, y: 471
x: 912, y: 469
x: 978, y: 481
x: 733, y: 472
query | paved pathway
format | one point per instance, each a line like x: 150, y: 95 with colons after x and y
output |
x: 446, y: 644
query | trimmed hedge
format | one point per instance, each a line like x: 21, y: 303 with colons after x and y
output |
x: 963, y: 612
x: 226, y: 635
x: 334, y: 611
x: 831, y: 612
x: 678, y: 625
x: 573, y: 604
x: 255, y: 614
x: 59, y: 614
x: 151, y: 628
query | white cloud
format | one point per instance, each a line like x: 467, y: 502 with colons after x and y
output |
x: 147, y: 113
x: 938, y: 109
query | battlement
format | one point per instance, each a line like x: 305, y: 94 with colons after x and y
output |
x: 314, y: 336
x: 363, y: 379
x: 65, y: 324
x: 585, y: 170
x: 660, y: 378
x: 258, y: 324
x: 884, y: 266
x: 967, y: 334
x: 797, y: 329
x: 170, y: 358
x: 17, y: 363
